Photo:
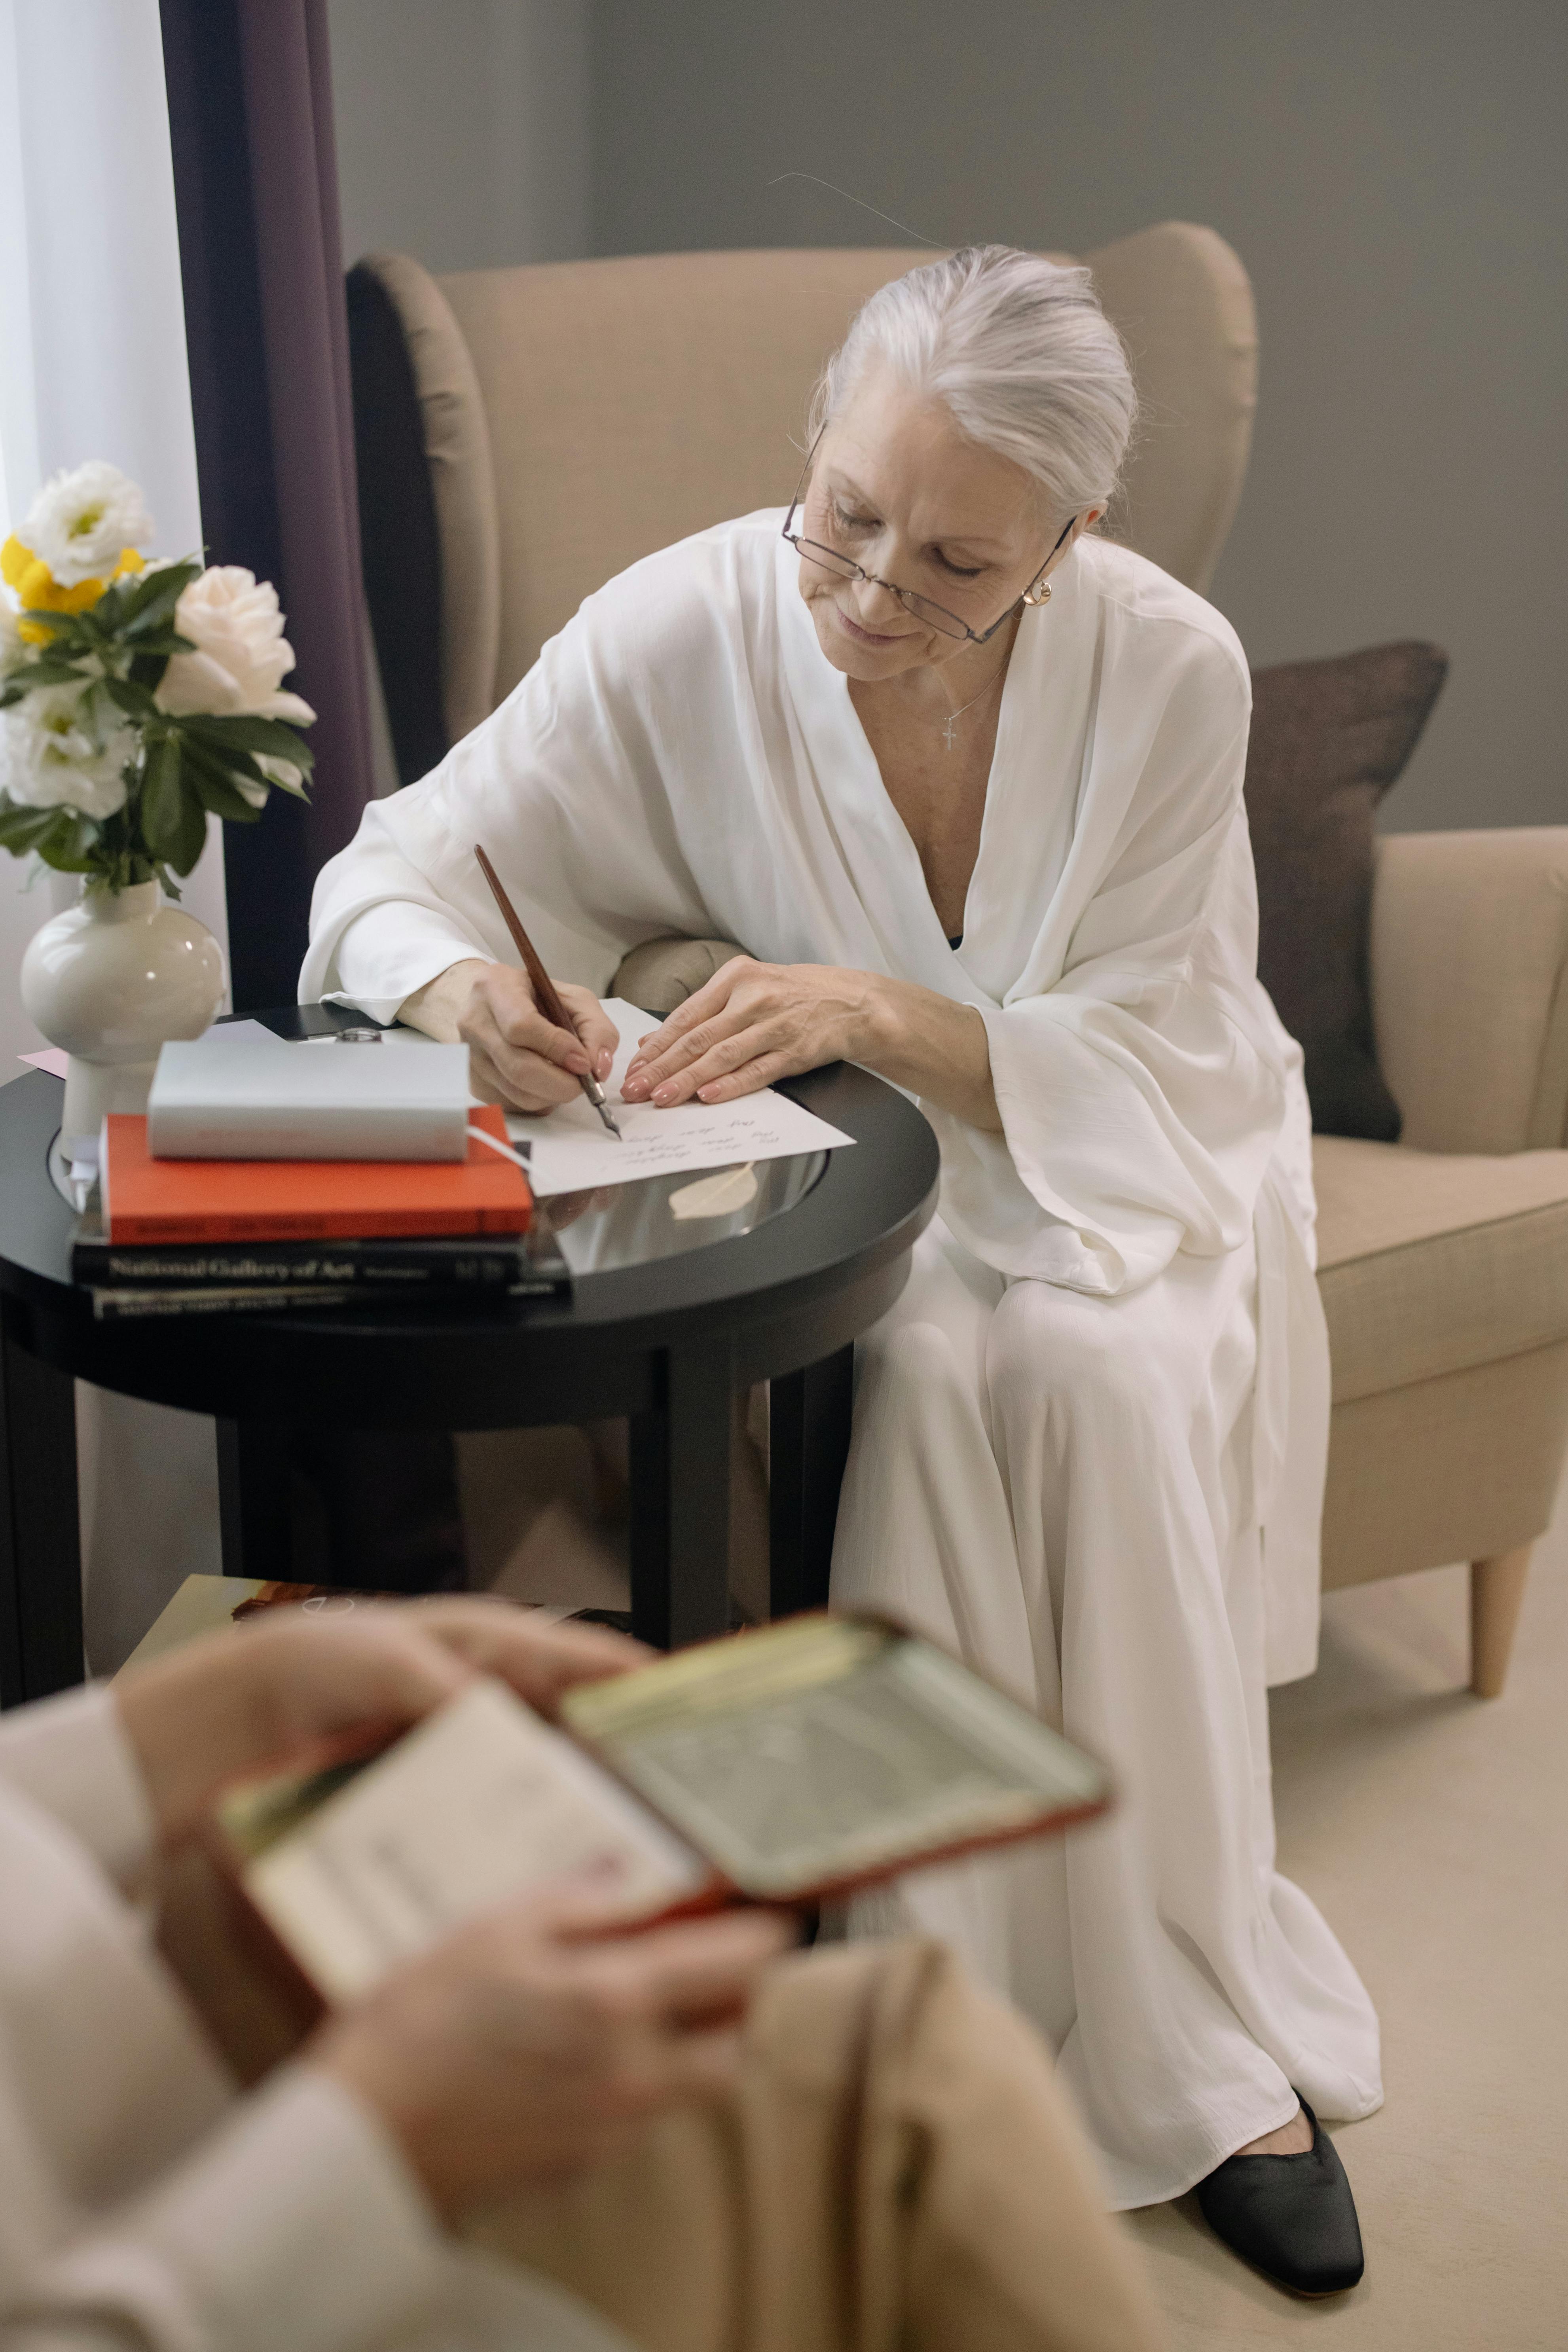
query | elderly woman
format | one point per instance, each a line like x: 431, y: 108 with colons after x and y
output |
x: 969, y: 781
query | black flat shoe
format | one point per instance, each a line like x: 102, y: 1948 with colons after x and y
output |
x: 1291, y: 2217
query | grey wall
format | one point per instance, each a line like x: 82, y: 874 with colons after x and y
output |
x: 462, y: 129
x: 1392, y: 174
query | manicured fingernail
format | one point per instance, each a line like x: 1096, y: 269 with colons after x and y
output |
x: 663, y: 1095
x: 606, y: 1058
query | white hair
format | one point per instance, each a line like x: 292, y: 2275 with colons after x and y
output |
x: 1019, y: 352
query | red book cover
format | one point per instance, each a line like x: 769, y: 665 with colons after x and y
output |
x: 147, y: 1200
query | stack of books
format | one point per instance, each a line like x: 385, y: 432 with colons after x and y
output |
x: 238, y: 1237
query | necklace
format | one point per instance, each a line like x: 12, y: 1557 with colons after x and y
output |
x: 950, y: 721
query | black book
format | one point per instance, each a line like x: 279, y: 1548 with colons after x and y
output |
x: 217, y: 1276
x: 390, y: 1263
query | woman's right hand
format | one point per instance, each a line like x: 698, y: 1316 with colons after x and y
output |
x: 515, y: 1056
x: 533, y: 2044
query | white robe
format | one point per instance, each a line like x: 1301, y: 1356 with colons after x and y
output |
x: 683, y: 758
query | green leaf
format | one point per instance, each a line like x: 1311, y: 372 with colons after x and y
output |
x: 74, y: 845
x: 46, y: 619
x: 224, y: 799
x: 147, y: 669
x: 173, y: 822
x: 192, y: 836
x: 21, y: 829
x: 225, y: 765
x: 131, y: 697
x: 43, y: 672
x: 167, y: 642
x: 152, y: 591
x: 155, y: 609
x: 273, y: 736
x: 295, y: 792
x: 62, y: 837
x: 92, y: 631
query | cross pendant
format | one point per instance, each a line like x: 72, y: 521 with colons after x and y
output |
x: 947, y: 731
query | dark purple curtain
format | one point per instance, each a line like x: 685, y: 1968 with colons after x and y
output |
x: 250, y: 120
x: 250, y: 123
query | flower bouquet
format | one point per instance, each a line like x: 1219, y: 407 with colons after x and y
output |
x: 137, y: 696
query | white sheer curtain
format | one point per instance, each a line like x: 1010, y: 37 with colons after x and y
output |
x: 92, y: 333
x: 92, y: 365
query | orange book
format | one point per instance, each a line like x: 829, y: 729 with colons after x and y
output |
x: 146, y: 1200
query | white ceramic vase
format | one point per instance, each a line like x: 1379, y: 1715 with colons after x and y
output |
x: 111, y: 980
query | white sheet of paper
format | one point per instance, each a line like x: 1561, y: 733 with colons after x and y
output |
x: 248, y: 1032
x: 570, y: 1151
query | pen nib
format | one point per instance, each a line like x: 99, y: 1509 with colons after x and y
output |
x: 608, y: 1117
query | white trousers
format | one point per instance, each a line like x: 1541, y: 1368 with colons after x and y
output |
x: 1058, y: 1487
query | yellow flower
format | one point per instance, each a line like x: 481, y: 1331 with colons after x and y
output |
x: 37, y: 591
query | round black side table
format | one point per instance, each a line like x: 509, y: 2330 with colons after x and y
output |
x: 666, y: 1331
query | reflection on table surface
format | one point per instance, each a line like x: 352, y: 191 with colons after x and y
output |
x: 626, y: 1224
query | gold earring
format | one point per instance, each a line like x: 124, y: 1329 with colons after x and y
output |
x: 1039, y: 595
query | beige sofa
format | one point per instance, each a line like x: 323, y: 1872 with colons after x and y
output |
x: 571, y: 418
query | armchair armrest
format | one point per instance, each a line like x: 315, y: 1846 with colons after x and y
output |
x: 1470, y: 986
x: 662, y: 974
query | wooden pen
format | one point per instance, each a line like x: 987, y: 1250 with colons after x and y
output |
x: 544, y: 995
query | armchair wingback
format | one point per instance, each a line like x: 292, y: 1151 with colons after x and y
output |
x: 1469, y: 964
x: 576, y: 416
x: 1443, y: 1259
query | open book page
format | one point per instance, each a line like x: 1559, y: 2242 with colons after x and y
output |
x: 482, y: 1802
x: 570, y: 1151
x: 829, y: 1749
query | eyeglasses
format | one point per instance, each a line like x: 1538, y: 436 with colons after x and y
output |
x: 922, y: 608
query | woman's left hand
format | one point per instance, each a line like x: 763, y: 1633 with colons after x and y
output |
x: 752, y: 1023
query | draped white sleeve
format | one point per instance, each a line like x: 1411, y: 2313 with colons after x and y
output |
x: 1142, y: 1089
x: 567, y: 788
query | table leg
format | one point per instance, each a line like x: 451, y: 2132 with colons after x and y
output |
x: 808, y: 1425
x: 254, y: 1498
x: 680, y: 1502
x: 40, y: 1545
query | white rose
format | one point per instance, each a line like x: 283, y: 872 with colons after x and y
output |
x: 241, y: 655
x: 79, y: 523
x: 54, y: 752
x: 13, y: 647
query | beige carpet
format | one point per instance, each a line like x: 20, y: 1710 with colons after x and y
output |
x: 1433, y: 1829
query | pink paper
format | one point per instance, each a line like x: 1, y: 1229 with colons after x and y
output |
x: 50, y: 1059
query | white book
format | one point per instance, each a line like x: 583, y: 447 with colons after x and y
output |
x: 213, y: 1098
x: 481, y: 1803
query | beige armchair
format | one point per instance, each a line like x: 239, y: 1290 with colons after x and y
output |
x: 1443, y: 1259
x: 564, y: 420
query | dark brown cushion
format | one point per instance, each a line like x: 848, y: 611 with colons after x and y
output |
x: 1328, y: 739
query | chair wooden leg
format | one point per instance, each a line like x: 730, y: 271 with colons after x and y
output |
x: 1497, y: 1589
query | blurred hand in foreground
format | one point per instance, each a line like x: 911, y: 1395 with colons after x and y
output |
x: 242, y: 1695
x: 534, y: 2044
